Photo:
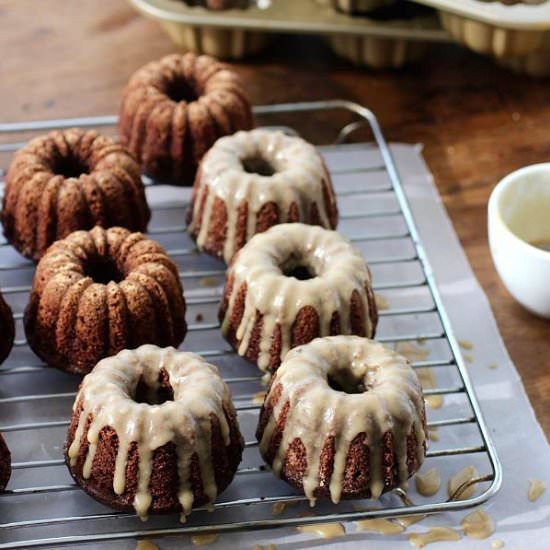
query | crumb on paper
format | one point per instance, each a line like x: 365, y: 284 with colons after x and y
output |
x: 536, y: 488
x: 466, y: 344
x: 199, y: 317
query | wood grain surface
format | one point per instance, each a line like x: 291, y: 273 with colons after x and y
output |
x: 477, y: 122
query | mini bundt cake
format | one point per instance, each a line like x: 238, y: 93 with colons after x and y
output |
x: 292, y: 284
x: 154, y: 430
x: 98, y: 292
x: 7, y: 329
x: 66, y: 181
x: 343, y: 418
x: 174, y: 109
x: 253, y: 180
x: 5, y: 464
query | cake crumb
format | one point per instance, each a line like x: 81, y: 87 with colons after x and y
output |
x: 204, y: 540
x: 437, y: 534
x: 536, y: 488
x: 465, y: 344
x: 199, y: 317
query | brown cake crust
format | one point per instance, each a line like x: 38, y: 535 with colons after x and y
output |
x: 7, y: 329
x: 5, y: 464
x: 98, y: 292
x: 66, y: 181
x: 174, y: 109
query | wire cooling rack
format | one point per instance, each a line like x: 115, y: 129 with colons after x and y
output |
x: 42, y: 506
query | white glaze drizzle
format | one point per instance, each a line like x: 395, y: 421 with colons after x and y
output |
x: 298, y: 177
x: 392, y: 402
x: 340, y: 271
x: 106, y: 394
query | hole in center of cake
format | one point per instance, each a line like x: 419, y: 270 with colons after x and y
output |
x: 300, y: 272
x: 258, y: 165
x: 70, y: 167
x: 103, y: 272
x: 345, y: 383
x: 180, y: 90
x: 153, y: 395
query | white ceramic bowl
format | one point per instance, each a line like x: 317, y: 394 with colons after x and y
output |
x: 519, y: 214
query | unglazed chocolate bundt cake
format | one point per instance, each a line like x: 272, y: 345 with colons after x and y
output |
x: 98, y: 292
x: 5, y: 464
x: 70, y: 180
x: 291, y: 284
x: 154, y: 430
x: 343, y: 418
x: 253, y: 180
x: 173, y: 110
x: 7, y: 329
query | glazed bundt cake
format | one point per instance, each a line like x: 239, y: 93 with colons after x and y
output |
x: 343, y: 418
x: 253, y: 180
x: 98, y: 292
x: 173, y: 110
x: 5, y: 464
x: 291, y: 284
x: 154, y: 430
x: 70, y: 180
x: 7, y: 329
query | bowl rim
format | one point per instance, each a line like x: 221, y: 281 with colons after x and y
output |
x: 494, y: 212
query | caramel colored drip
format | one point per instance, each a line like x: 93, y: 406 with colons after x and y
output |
x: 391, y: 401
x: 497, y: 544
x: 324, y: 530
x: 412, y: 351
x: 428, y: 381
x: 433, y: 434
x: 278, y: 508
x: 340, y: 271
x: 106, y: 396
x: 468, y: 357
x: 381, y: 302
x: 260, y: 547
x: 459, y: 479
x: 466, y: 344
x: 259, y: 400
x: 204, y: 540
x: 478, y: 525
x: 437, y: 534
x: 298, y: 177
x: 380, y: 526
x: 536, y: 488
x: 407, y: 521
x: 146, y: 545
x: 429, y: 483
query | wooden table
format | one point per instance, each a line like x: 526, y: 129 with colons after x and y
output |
x: 476, y: 121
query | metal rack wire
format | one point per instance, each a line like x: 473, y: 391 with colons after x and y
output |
x: 30, y: 390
